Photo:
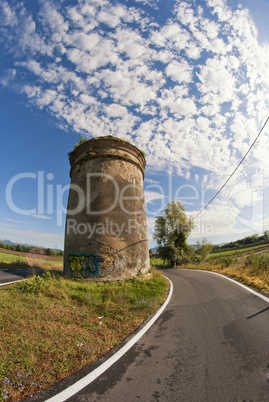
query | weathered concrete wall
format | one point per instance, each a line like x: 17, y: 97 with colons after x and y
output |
x: 106, y: 232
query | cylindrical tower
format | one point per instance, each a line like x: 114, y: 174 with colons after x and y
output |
x: 106, y: 231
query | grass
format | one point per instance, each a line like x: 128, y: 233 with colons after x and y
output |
x: 52, y: 326
x: 252, y: 271
x: 233, y: 252
x: 158, y: 263
x: 13, y: 261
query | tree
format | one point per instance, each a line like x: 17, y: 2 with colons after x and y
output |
x: 49, y: 252
x: 266, y: 234
x: 171, y: 232
x: 203, y: 248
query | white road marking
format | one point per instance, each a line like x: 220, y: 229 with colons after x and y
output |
x: 9, y: 283
x: 237, y: 283
x: 83, y: 382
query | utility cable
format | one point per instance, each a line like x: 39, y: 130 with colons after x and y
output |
x: 240, y: 163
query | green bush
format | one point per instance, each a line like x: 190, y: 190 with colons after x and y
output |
x: 35, y: 284
x: 227, y: 261
x: 258, y: 262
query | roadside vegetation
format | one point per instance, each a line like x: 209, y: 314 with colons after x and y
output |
x: 13, y: 261
x: 245, y: 242
x: 51, y: 326
x: 236, y: 259
x: 235, y: 252
x: 251, y: 270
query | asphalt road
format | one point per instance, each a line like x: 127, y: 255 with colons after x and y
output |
x: 8, y: 275
x: 209, y: 344
x: 13, y: 275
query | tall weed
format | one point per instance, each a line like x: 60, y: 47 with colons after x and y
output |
x: 227, y: 261
x: 258, y: 263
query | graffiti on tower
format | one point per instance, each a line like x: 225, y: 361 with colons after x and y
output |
x: 85, y: 263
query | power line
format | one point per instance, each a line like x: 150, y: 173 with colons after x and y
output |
x: 240, y: 163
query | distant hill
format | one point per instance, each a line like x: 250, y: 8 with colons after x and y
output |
x: 9, y: 243
x: 245, y: 242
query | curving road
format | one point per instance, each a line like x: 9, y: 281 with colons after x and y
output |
x: 8, y: 276
x: 210, y: 344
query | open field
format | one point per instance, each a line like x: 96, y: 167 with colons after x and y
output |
x: 30, y: 255
x: 13, y: 260
x: 51, y: 326
x: 158, y: 262
x: 237, y: 251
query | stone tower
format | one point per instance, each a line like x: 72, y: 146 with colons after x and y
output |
x: 106, y: 231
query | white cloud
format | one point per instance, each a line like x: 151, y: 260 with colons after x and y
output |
x: 15, y: 221
x: 9, y: 17
x: 8, y: 78
x: 150, y: 196
x: 179, y: 71
x: 192, y: 91
x: 33, y: 236
x: 38, y: 216
x: 84, y: 42
x: 217, y: 78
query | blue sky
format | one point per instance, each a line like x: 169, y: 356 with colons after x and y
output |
x: 186, y: 81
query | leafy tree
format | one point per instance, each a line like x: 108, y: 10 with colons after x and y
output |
x: 171, y: 232
x: 266, y: 234
x: 49, y: 251
x: 203, y: 248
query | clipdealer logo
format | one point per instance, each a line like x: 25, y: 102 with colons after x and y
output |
x: 47, y: 193
x: 51, y: 197
x: 108, y: 228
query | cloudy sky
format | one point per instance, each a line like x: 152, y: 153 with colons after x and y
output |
x: 186, y: 81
